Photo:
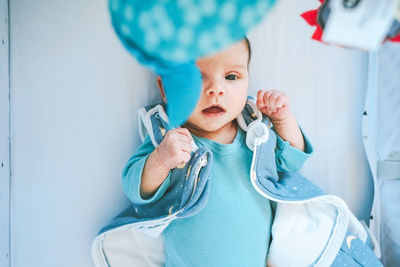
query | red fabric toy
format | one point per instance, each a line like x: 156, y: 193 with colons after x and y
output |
x: 311, y: 18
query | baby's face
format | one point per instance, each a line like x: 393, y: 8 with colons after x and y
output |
x: 224, y: 92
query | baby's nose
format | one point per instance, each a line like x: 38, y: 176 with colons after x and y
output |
x: 214, y: 88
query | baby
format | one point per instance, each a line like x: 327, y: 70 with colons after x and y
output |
x: 234, y: 228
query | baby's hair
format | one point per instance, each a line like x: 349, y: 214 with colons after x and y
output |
x: 246, y: 40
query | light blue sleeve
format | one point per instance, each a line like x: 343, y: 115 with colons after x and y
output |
x: 289, y: 158
x: 132, y: 175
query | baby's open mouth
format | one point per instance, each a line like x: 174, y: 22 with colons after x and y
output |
x: 213, y: 110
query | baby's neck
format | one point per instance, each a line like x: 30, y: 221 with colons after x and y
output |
x: 224, y: 135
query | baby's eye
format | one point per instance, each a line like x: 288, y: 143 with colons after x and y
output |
x: 230, y: 77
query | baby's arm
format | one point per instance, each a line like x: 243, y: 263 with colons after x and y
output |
x: 174, y: 149
x: 275, y: 104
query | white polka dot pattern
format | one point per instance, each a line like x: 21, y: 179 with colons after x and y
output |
x: 186, y: 29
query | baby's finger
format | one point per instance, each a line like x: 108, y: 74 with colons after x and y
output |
x: 185, y: 132
x: 266, y: 99
x: 274, y: 99
x: 282, y: 101
x: 185, y: 157
x: 182, y: 139
x: 270, y: 101
x: 260, y: 99
x: 185, y: 147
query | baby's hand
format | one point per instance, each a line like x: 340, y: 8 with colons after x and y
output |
x: 274, y: 104
x: 175, y: 148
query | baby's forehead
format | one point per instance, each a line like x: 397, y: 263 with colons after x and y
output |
x: 235, y: 55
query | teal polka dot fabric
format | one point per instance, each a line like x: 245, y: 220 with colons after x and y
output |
x: 167, y: 36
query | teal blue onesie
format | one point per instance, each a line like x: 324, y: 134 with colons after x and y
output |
x: 234, y: 227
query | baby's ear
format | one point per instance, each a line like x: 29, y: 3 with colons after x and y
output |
x: 161, y: 88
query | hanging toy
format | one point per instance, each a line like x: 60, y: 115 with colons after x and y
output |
x: 364, y: 24
x: 168, y: 36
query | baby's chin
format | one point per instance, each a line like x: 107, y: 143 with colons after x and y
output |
x: 209, y: 127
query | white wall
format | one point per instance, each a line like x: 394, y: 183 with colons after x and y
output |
x: 74, y: 95
x: 4, y: 137
x: 75, y: 92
